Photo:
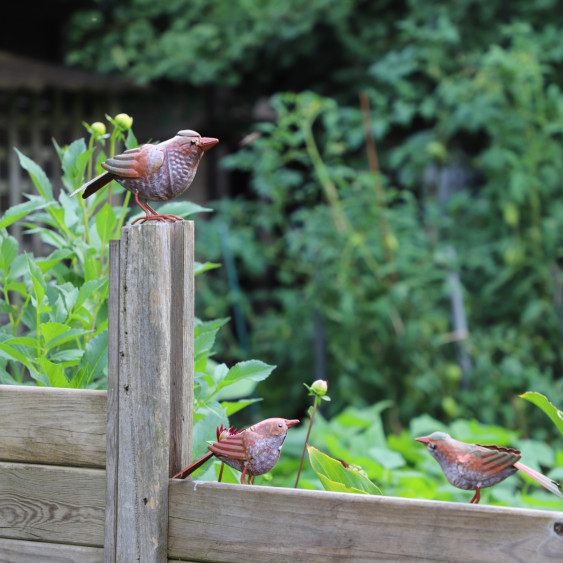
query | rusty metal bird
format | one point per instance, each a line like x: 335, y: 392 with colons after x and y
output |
x: 473, y: 467
x: 154, y: 172
x: 253, y: 451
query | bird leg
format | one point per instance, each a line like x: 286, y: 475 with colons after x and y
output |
x: 243, y: 476
x: 476, y: 497
x: 151, y: 214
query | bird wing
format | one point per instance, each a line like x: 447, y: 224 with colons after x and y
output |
x: 235, y: 446
x: 136, y: 163
x: 489, y: 460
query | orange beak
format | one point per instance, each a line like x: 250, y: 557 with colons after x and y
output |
x: 423, y: 440
x: 290, y: 423
x: 205, y: 143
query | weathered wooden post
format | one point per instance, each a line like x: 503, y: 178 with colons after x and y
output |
x: 150, y: 386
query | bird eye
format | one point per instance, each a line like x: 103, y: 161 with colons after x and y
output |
x: 193, y: 141
x: 280, y: 425
x: 432, y: 445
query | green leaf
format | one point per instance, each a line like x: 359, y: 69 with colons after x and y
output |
x: 8, y: 252
x: 16, y: 212
x: 89, y: 289
x: 546, y: 406
x: 94, y: 361
x: 254, y: 370
x: 39, y: 285
x: 335, y: 477
x: 54, y: 373
x: 200, y: 267
x: 105, y: 223
x: 232, y: 407
x: 38, y: 176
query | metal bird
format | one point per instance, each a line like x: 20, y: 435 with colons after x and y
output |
x: 473, y: 467
x: 253, y: 451
x: 154, y: 172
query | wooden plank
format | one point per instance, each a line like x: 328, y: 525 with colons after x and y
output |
x: 222, y: 522
x: 112, y: 431
x: 182, y: 346
x: 153, y: 259
x: 17, y: 551
x: 52, y: 504
x: 53, y: 426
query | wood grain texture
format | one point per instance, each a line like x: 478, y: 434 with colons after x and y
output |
x: 112, y: 437
x: 52, y: 504
x: 53, y: 426
x: 17, y: 551
x: 155, y: 289
x: 222, y: 522
x: 181, y: 345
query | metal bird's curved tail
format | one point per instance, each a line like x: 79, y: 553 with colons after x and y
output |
x: 544, y: 481
x: 94, y: 185
x: 193, y: 466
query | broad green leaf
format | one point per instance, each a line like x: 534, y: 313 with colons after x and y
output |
x: 232, y: 407
x: 255, y: 370
x: 546, y: 406
x: 8, y: 252
x: 94, y: 361
x: 38, y: 176
x: 105, y: 223
x: 335, y: 477
x: 54, y: 373
x: 16, y: 212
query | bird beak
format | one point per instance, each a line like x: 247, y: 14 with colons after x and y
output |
x: 290, y: 423
x: 423, y: 440
x: 205, y: 143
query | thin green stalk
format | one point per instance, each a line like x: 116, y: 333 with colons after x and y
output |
x: 307, y: 440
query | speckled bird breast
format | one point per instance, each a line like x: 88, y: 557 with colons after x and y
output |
x: 172, y: 179
x: 263, y: 456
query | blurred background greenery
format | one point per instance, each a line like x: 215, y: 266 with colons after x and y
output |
x: 393, y: 214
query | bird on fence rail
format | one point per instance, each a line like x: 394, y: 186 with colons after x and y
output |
x: 253, y: 451
x: 154, y: 172
x: 473, y: 467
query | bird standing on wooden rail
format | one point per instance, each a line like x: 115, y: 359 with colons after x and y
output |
x: 253, y: 451
x: 475, y: 466
x: 154, y: 172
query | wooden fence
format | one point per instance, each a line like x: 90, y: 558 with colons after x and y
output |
x: 84, y: 475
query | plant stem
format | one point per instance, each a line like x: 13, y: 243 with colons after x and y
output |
x: 307, y: 440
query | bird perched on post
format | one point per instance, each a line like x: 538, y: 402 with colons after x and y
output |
x: 253, y: 451
x: 475, y: 466
x: 154, y: 172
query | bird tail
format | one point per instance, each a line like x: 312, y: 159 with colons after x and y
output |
x: 94, y: 185
x: 544, y: 481
x: 193, y: 466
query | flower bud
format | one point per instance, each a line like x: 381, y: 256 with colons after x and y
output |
x: 123, y: 121
x: 320, y: 387
x: 98, y: 129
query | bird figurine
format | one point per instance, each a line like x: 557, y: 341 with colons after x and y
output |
x: 154, y: 172
x: 476, y: 466
x: 253, y: 451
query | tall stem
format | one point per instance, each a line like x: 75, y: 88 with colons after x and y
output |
x: 306, y: 440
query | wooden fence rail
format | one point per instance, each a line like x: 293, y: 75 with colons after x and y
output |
x: 62, y: 499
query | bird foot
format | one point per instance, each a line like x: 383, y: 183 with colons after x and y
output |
x: 158, y: 217
x: 151, y: 214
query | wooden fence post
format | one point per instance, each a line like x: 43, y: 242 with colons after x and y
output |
x: 150, y: 387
